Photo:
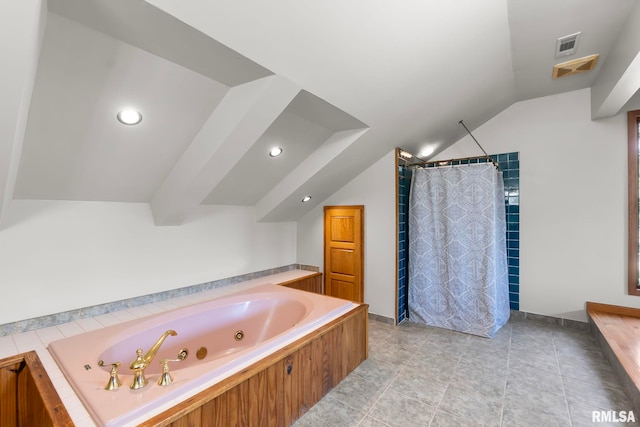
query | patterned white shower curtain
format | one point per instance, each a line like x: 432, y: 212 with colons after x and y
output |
x: 457, y: 249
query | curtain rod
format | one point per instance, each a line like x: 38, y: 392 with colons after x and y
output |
x: 446, y: 162
x: 449, y: 162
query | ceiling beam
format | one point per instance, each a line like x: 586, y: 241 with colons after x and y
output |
x: 236, y: 124
x: 140, y: 24
x: 22, y: 27
x: 286, y: 189
x: 619, y: 78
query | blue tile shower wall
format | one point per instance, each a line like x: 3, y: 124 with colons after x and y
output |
x: 404, y: 182
x: 509, y: 165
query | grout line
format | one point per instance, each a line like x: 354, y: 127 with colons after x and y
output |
x: 378, y: 399
x: 455, y: 369
x: 506, y: 380
x: 564, y: 391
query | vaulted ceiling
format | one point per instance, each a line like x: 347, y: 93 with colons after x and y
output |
x: 336, y: 84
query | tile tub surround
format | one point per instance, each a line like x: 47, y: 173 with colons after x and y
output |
x: 532, y: 373
x: 39, y: 339
x: 88, y: 312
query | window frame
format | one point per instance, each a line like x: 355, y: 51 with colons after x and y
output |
x: 633, y: 119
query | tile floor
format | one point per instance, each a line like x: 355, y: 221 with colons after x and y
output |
x: 530, y: 374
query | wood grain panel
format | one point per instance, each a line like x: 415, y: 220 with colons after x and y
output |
x: 258, y: 394
x: 30, y: 404
x: 244, y: 404
x: 343, y: 261
x: 355, y: 342
x: 338, y: 349
x: 327, y: 359
x: 289, y: 394
x: 316, y: 371
x: 221, y: 411
x: 8, y: 393
x: 344, y: 288
x: 613, y: 309
x: 342, y: 229
x: 272, y: 400
x: 233, y: 400
x: 191, y: 419
x: 312, y: 283
x: 293, y: 379
x: 620, y: 327
x: 305, y: 379
x: 27, y: 396
x: 208, y: 414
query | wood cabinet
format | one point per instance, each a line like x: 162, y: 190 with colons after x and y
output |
x: 27, y: 396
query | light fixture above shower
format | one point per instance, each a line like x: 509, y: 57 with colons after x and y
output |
x: 427, y: 151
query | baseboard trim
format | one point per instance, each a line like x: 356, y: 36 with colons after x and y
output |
x: 532, y: 317
x: 557, y: 321
x: 383, y: 319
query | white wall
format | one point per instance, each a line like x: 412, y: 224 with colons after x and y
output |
x: 573, y: 207
x: 375, y: 189
x: 66, y: 255
x: 573, y: 201
x: 22, y: 26
x: 58, y: 255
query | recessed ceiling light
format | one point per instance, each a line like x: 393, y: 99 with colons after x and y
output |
x: 426, y: 151
x: 406, y: 154
x: 275, y: 152
x: 129, y: 117
x: 306, y: 199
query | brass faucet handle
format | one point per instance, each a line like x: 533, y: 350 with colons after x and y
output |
x: 114, y: 380
x: 165, y: 378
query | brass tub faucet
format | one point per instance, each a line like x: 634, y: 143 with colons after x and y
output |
x: 142, y: 362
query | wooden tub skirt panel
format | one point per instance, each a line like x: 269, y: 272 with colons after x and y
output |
x: 311, y: 283
x: 279, y: 389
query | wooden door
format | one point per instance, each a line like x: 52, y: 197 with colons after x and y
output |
x: 344, y: 252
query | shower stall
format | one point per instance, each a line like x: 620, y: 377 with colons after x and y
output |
x: 458, y: 259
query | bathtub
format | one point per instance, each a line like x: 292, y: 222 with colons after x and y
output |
x: 268, y: 317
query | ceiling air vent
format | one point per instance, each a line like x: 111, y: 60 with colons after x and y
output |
x: 567, y: 45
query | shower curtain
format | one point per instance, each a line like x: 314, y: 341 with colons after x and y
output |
x: 457, y: 249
